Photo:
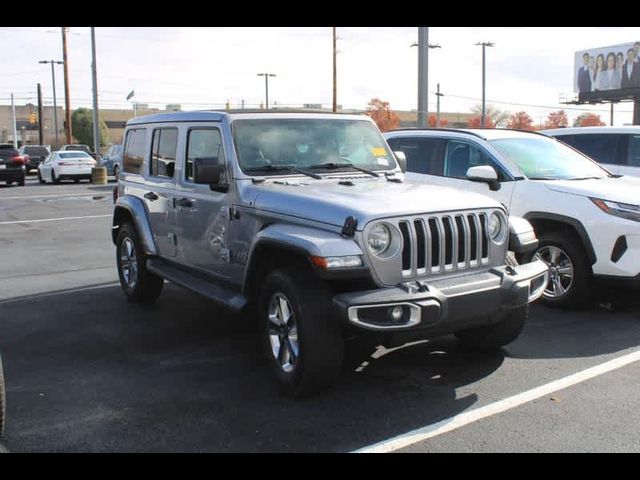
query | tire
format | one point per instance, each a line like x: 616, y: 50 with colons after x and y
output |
x: 76, y: 180
x: 9, y: 183
x: 494, y: 336
x: 40, y: 179
x: 116, y: 172
x: 3, y: 401
x: 319, y: 339
x: 579, y: 289
x: 54, y: 179
x: 144, y: 286
x: 21, y: 182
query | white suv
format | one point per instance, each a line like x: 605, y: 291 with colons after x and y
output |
x: 587, y: 219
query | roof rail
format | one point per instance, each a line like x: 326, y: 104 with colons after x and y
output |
x: 430, y: 129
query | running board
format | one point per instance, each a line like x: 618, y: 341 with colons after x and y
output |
x: 225, y: 296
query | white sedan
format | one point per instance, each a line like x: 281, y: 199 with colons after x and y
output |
x: 72, y: 165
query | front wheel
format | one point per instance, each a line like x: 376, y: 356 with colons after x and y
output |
x: 491, y: 337
x: 138, y: 284
x: 302, y: 341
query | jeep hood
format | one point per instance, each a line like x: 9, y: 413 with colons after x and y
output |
x: 622, y: 189
x: 328, y: 201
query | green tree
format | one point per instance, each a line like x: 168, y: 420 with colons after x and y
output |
x: 82, y: 125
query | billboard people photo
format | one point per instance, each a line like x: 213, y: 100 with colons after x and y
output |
x: 608, y: 68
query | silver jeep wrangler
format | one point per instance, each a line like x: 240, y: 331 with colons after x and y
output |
x: 306, y: 222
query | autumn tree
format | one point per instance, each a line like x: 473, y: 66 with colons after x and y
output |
x: 381, y: 113
x: 588, y: 120
x: 432, y: 122
x: 476, y: 122
x: 520, y: 121
x: 497, y: 117
x: 557, y: 120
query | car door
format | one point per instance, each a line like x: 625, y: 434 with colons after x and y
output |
x: 202, y: 210
x: 447, y: 161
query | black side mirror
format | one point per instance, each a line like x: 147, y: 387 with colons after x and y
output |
x: 401, y: 158
x: 206, y: 170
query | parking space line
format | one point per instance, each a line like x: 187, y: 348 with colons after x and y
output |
x: 53, y: 219
x: 27, y: 197
x: 463, y: 419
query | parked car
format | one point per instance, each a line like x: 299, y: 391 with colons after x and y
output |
x: 12, y: 168
x: 34, y: 155
x: 586, y: 219
x: 305, y: 222
x: 616, y: 148
x: 112, y: 160
x: 68, y: 165
x: 3, y: 401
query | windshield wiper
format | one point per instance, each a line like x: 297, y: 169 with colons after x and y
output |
x: 586, y: 178
x: 283, y: 168
x: 335, y: 166
x: 542, y: 178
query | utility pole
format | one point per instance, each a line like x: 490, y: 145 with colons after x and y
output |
x: 266, y: 86
x: 484, y: 77
x: 98, y: 173
x: 423, y: 76
x: 438, y: 95
x: 40, y: 119
x: 15, y: 128
x: 335, y: 74
x: 55, y: 105
x: 67, y: 99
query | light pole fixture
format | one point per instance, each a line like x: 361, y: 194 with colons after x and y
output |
x: 55, y: 105
x: 266, y: 86
x: 484, y: 79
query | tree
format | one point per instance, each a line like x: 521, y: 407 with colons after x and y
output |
x: 476, y: 122
x: 381, y: 113
x: 82, y: 126
x: 588, y: 120
x: 499, y: 118
x: 557, y: 119
x: 520, y: 121
x: 432, y: 122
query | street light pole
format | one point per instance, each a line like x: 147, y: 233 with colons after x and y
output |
x: 266, y: 86
x: 335, y: 74
x: 67, y: 98
x: 55, y: 105
x: 484, y: 76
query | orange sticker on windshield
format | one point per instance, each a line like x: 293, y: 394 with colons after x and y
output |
x: 379, y: 151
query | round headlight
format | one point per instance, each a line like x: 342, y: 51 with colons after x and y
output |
x: 379, y: 239
x: 495, y: 226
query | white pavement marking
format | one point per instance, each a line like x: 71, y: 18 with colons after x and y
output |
x: 23, y: 197
x: 453, y: 423
x: 53, y: 219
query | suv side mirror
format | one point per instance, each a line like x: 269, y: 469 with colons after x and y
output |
x: 485, y: 174
x: 401, y: 158
x: 206, y: 170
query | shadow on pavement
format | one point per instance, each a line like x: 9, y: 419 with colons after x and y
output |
x: 86, y: 371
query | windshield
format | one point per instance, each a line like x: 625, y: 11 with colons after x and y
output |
x: 542, y: 158
x: 266, y: 144
x: 74, y: 155
x: 36, y: 151
x: 82, y: 148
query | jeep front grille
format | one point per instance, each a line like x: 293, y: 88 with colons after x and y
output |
x: 443, y: 243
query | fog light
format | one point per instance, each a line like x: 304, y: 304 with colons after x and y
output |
x: 395, y: 313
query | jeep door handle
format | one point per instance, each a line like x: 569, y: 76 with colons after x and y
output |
x: 151, y: 196
x: 184, y: 203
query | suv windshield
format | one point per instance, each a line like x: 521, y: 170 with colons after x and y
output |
x: 42, y: 151
x: 542, y: 158
x: 273, y: 146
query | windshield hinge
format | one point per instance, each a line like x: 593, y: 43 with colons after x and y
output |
x: 349, y: 227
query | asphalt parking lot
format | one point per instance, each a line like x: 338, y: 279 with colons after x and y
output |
x: 86, y: 371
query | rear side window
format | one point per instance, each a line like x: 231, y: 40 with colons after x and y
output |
x: 204, y: 143
x: 424, y: 155
x: 134, y: 151
x: 634, y: 151
x: 601, y: 147
x: 8, y: 152
x: 163, y: 152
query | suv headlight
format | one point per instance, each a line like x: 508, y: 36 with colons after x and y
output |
x: 496, y: 226
x: 379, y: 239
x: 622, y: 210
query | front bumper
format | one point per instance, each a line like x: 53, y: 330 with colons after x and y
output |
x: 445, y: 305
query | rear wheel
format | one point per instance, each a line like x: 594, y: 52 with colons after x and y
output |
x: 54, y: 178
x: 116, y: 172
x: 40, y: 179
x: 302, y: 342
x: 139, y: 285
x: 21, y: 182
x: 491, y: 337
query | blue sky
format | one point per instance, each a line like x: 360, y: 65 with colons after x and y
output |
x: 203, y: 67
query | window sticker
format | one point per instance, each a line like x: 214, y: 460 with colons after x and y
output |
x: 379, y: 151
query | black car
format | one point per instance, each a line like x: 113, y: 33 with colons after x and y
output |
x: 34, y: 155
x: 12, y: 168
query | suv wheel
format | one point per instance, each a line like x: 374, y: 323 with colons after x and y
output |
x: 569, y: 271
x: 3, y: 401
x: 303, y: 343
x: 490, y: 337
x: 139, y: 285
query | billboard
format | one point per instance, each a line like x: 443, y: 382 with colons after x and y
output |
x: 607, y: 73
